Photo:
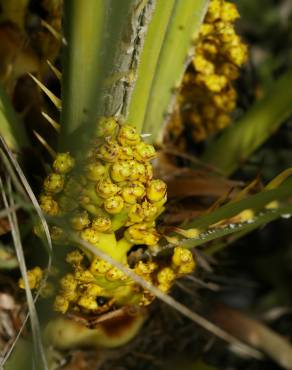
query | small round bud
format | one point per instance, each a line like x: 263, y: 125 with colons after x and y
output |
x: 156, y: 190
x: 90, y: 235
x: 229, y: 12
x: 34, y: 277
x: 144, y: 268
x: 203, y: 65
x: 165, y: 276
x: 181, y: 256
x: 49, y: 205
x: 88, y: 302
x: 54, y: 183
x: 94, y: 171
x: 136, y: 214
x: 93, y: 290
x: 80, y: 220
x: 128, y: 136
x: 74, y: 258
x: 120, y: 171
x: 106, y: 188
x: 133, y: 191
x: 109, y: 151
x: 144, y: 152
x: 164, y: 287
x: 106, y: 126
x: 84, y: 276
x: 141, y: 234
x: 61, y: 304
x: 68, y: 282
x: 114, y: 204
x: 214, y: 11
x: 99, y: 266
x: 101, y: 223
x: 63, y: 163
x: 137, y: 171
x: 126, y: 152
x: 149, y: 211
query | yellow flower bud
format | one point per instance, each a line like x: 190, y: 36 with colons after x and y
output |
x: 74, y: 258
x: 144, y: 152
x: 135, y: 214
x: 114, y: 204
x: 225, y: 32
x: 120, y: 171
x: 63, y: 163
x: 99, y: 266
x: 164, y: 287
x: 229, y: 12
x: 206, y: 29
x: 151, y: 237
x: 150, y: 211
x: 141, y: 234
x: 80, y: 221
x: 137, y: 171
x: 214, y: 82
x: 133, y: 191
x: 156, y: 190
x: 237, y: 54
x: 70, y: 295
x: 128, y: 136
x: 90, y: 235
x: 165, y: 276
x: 49, y: 205
x: 34, y: 277
x: 84, y: 276
x: 144, y: 268
x: 214, y: 11
x: 202, y: 65
x: 94, y: 171
x: 101, y: 223
x: 106, y: 126
x: 229, y: 70
x: 109, y: 151
x: 93, y: 290
x: 68, y: 282
x: 106, y: 188
x: 126, y: 152
x: 88, y: 302
x: 61, y: 304
x: 181, y: 256
x: 54, y: 183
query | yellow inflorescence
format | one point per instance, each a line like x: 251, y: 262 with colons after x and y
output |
x: 207, y: 96
x: 111, y: 201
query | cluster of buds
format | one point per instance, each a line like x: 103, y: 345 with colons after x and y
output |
x: 207, y: 96
x: 110, y: 200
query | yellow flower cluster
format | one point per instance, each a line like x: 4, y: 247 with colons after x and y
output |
x: 98, y: 286
x: 207, y: 96
x: 110, y: 200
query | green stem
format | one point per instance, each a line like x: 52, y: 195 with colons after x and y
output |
x: 184, y: 23
x: 239, y: 141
